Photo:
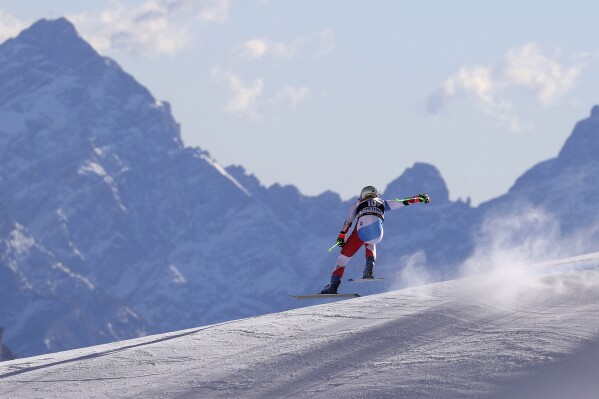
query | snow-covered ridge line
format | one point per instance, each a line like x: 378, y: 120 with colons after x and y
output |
x: 223, y: 172
x: 580, y: 260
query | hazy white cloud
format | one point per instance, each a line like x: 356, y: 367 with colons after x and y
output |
x: 292, y: 95
x: 147, y: 29
x: 153, y: 27
x: 10, y: 26
x: 524, y: 67
x: 256, y: 48
x: 476, y: 80
x: 215, y: 11
x: 319, y: 44
x: 244, y: 96
x: 527, y: 66
x: 248, y: 98
x: 479, y: 83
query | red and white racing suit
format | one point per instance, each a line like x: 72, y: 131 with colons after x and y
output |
x: 369, y: 215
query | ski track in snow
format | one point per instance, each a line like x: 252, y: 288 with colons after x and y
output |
x: 445, y: 340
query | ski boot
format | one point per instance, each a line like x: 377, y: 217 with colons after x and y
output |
x: 333, y: 286
x: 369, y: 268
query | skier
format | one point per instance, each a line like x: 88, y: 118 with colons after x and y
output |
x: 369, y: 211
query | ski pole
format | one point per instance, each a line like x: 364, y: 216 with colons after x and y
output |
x: 336, y: 244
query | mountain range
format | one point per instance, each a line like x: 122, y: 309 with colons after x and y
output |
x: 112, y: 228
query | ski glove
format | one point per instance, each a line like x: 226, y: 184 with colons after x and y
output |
x: 341, y: 239
x: 424, y: 198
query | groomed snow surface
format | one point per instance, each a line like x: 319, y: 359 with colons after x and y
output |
x: 526, y: 333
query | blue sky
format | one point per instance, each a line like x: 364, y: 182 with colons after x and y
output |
x: 340, y: 94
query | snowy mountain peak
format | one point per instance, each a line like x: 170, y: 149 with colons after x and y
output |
x: 45, y: 29
x: 54, y: 40
x: 583, y: 143
x: 420, y: 178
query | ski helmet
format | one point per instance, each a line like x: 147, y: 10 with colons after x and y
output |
x: 369, y: 192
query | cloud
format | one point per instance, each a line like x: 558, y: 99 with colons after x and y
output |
x: 528, y: 67
x: 154, y: 27
x: 215, y: 11
x: 244, y: 97
x: 476, y: 80
x: 524, y: 67
x: 319, y: 44
x: 479, y: 83
x: 151, y: 28
x: 248, y: 99
x: 293, y: 95
x: 259, y: 48
x: 256, y: 48
x: 10, y: 26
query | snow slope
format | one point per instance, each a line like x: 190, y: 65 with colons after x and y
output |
x: 476, y: 337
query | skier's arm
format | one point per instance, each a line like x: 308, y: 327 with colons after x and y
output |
x: 399, y: 203
x: 346, y: 225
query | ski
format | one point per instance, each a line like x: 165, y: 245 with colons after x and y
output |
x: 364, y: 280
x: 325, y: 296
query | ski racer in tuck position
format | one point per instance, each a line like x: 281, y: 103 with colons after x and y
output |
x: 369, y: 210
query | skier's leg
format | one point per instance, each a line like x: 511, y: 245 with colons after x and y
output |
x: 371, y: 232
x: 332, y: 287
x: 370, y: 258
x: 370, y: 250
x: 352, y: 245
